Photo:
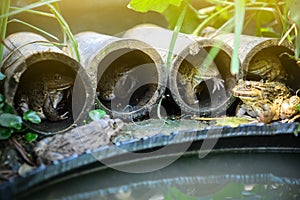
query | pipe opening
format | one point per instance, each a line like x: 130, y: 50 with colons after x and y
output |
x: 205, y: 85
x: 46, y: 87
x: 274, y: 64
x: 128, y: 80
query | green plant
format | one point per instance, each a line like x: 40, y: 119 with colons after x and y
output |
x: 4, y: 7
x: 270, y: 18
x: 8, y: 11
x: 97, y: 114
x: 10, y: 122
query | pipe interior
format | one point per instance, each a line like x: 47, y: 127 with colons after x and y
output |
x: 203, y: 96
x: 289, y: 65
x: 33, y: 76
x: 127, y: 80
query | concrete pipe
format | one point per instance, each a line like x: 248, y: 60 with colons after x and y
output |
x: 127, y: 74
x: 41, y: 77
x: 199, y: 82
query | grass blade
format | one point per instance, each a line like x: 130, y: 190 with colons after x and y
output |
x: 34, y: 27
x: 239, y: 15
x: 45, y: 14
x: 26, y: 8
x: 66, y: 29
x: 171, y: 49
x: 4, y: 8
x: 175, y: 35
x: 202, y: 25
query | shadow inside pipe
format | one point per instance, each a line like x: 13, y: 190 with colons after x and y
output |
x: 213, y: 87
x: 128, y: 81
x: 46, y: 87
x: 288, y: 72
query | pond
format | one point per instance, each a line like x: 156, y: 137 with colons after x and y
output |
x: 218, y: 176
x: 243, y: 166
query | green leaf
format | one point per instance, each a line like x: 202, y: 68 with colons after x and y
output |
x: 32, y: 117
x: 10, y: 121
x: 152, y: 5
x: 5, y: 133
x: 298, y: 107
x: 8, y: 108
x: 97, y: 114
x: 30, y: 137
x: 2, y: 76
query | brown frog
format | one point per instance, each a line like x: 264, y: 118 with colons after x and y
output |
x: 110, y: 78
x: 79, y: 140
x: 191, y: 76
x: 266, y: 66
x: 266, y: 101
x: 44, y: 96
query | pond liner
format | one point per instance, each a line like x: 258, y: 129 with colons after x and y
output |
x: 127, y: 74
x: 193, y: 52
x: 184, y: 181
x: 273, y: 138
x: 27, y: 57
x: 219, y: 168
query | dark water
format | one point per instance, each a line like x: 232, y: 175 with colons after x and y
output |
x: 217, y: 176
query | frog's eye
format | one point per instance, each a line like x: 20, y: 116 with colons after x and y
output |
x: 247, y: 85
x: 57, y: 77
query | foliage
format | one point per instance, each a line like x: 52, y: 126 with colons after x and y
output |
x: 152, y: 5
x: 4, y: 6
x: 10, y: 122
x: 253, y: 17
x: 96, y: 114
x: 8, y: 11
x: 30, y: 137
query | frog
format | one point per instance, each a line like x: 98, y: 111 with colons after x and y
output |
x: 121, y: 85
x: 266, y: 101
x: 44, y: 96
x: 191, y: 76
x: 109, y: 79
x: 266, y: 66
x: 77, y: 141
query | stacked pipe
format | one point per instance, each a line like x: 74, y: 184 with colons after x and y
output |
x: 199, y: 81
x: 129, y: 75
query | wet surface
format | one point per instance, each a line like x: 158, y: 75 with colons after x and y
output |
x: 217, y: 176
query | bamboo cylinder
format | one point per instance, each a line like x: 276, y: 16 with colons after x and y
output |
x: 128, y: 74
x: 204, y: 99
x: 272, y: 55
x: 27, y: 58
